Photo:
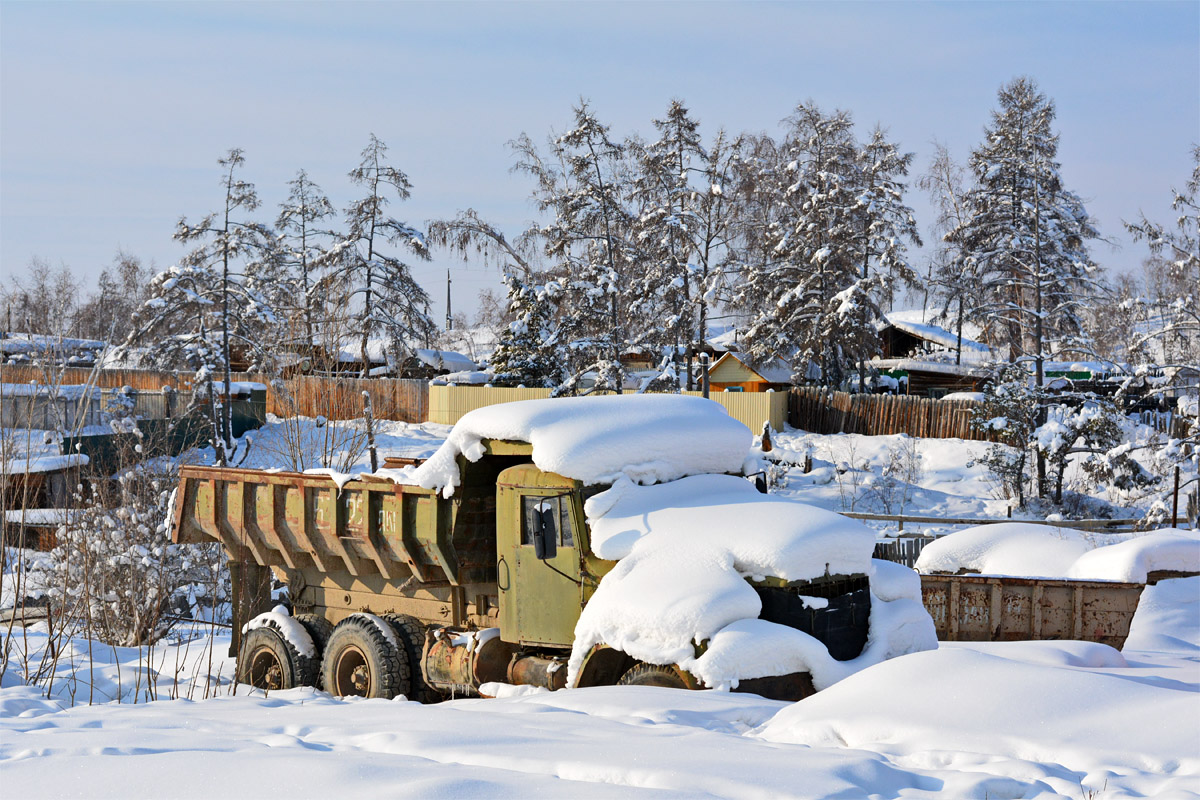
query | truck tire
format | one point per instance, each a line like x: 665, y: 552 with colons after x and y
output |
x: 653, y: 675
x: 268, y: 661
x: 411, y: 634
x: 319, y: 628
x: 360, y: 660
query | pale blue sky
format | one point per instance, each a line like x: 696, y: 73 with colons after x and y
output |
x: 112, y: 115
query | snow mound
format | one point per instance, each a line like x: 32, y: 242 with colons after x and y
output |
x: 1132, y: 560
x: 710, y: 533
x: 1167, y: 619
x: 1043, y: 551
x: 1087, y: 719
x: 1007, y: 548
x: 645, y: 438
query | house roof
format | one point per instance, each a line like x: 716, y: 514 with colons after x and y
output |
x: 914, y: 324
x: 774, y: 371
x: 920, y: 365
x: 446, y: 359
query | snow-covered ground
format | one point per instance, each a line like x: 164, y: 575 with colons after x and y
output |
x: 995, y: 720
x: 1005, y: 720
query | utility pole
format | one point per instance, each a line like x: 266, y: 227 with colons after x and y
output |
x: 449, y: 322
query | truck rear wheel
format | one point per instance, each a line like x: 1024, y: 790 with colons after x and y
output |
x: 360, y: 660
x: 319, y: 628
x: 268, y: 661
x: 653, y: 675
x: 411, y: 634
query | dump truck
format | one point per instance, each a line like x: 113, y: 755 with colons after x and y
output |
x: 401, y: 589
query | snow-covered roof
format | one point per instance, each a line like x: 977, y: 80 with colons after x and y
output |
x: 352, y: 350
x: 645, y: 438
x: 918, y: 364
x: 1043, y: 551
x: 465, y: 378
x: 38, y: 343
x: 971, y: 349
x: 42, y: 463
x: 727, y: 341
x: 445, y: 359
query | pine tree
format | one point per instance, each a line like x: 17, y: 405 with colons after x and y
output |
x: 201, y: 309
x: 305, y: 249
x: 588, y: 244
x: 805, y: 294
x: 1175, y: 273
x: 1025, y: 236
x: 684, y: 230
x: 529, y: 352
x: 388, y: 299
x: 665, y: 227
x: 949, y: 273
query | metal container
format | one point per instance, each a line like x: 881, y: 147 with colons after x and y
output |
x: 986, y: 608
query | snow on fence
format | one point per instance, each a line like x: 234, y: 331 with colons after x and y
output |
x: 1166, y: 422
x: 819, y: 410
x: 447, y: 404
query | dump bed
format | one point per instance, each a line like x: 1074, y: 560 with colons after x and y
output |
x: 365, y: 528
x: 989, y: 608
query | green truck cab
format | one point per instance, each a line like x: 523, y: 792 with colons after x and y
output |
x: 396, y: 589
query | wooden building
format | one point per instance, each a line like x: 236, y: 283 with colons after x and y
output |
x: 730, y: 373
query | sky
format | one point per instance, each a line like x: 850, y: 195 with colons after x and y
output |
x: 113, y: 115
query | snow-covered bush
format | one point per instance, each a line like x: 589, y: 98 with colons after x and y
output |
x: 116, y: 574
x: 902, y: 471
x: 1008, y: 412
x: 1092, y: 431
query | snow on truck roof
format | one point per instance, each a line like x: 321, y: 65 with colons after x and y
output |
x: 644, y: 438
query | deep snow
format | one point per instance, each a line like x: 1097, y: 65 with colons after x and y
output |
x: 1007, y: 720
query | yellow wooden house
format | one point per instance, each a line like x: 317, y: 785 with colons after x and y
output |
x: 730, y: 373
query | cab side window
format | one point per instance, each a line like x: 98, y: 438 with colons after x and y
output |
x: 559, y: 516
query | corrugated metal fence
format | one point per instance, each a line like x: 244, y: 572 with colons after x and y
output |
x: 447, y: 404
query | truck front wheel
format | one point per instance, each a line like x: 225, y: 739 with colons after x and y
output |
x: 361, y: 661
x: 653, y: 675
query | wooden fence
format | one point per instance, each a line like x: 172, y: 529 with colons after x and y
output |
x: 902, y: 551
x: 144, y: 380
x: 819, y: 410
x: 329, y: 397
x: 342, y: 398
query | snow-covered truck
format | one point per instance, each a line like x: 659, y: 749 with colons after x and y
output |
x: 568, y: 542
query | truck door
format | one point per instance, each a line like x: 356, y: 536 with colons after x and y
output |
x: 540, y: 598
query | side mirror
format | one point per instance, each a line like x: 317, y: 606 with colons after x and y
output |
x: 545, y: 535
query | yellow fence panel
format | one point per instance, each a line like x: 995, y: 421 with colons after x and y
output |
x: 447, y: 404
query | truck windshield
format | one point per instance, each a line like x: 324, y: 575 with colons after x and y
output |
x: 560, y: 513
